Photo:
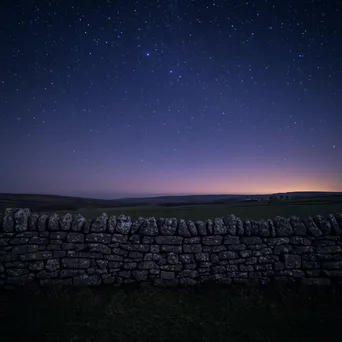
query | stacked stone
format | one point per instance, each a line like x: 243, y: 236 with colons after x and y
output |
x: 71, y: 250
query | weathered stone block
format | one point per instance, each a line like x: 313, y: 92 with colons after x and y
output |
x: 124, y: 224
x: 329, y: 249
x: 278, y: 241
x: 336, y: 229
x: 22, y: 249
x: 53, y: 247
x: 99, y: 224
x: 167, y: 275
x: 282, y: 226
x: 218, y: 269
x: 227, y: 255
x: 331, y: 265
x: 172, y: 258
x: 264, y: 229
x: 251, y: 241
x: 246, y: 268
x: 101, y: 263
x: 167, y: 226
x: 53, y: 222
x: 192, y: 240
x: 192, y: 248
x: 147, y: 240
x: 202, y: 256
x: 192, y: 228
x: 236, y: 247
x: 310, y: 264
x: 333, y: 273
x: 186, y: 258
x: 183, y: 229
x: 302, y: 250
x: 130, y: 265
x: 78, y: 223
x: 75, y: 263
x: 8, y: 220
x: 99, y: 247
x: 292, y: 261
x: 279, y: 266
x: 52, y: 265
x: 36, y: 265
x: 231, y: 240
x: 149, y: 227
x: 297, y: 225
x: 230, y: 222
x: 246, y: 254
x: 99, y: 237
x: 146, y: 265
x: 36, y: 256
x: 169, y: 240
x: 75, y: 237
x: 323, y: 224
x: 136, y: 255
x: 219, y: 227
x: 170, y: 248
x: 212, y: 240
x: 65, y: 221
x: 311, y: 226
x: 201, y: 228
x: 140, y: 275
x: 21, y: 219
x: 282, y: 249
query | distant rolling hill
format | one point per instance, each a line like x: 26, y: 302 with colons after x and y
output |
x: 42, y: 202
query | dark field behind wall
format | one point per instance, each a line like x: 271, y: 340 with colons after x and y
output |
x: 254, y: 210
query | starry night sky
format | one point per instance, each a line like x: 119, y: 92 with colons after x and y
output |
x: 129, y: 98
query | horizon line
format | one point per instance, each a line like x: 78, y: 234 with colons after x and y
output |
x: 128, y: 196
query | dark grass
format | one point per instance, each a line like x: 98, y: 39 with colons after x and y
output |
x: 209, y: 313
x: 89, y: 208
x: 251, y: 211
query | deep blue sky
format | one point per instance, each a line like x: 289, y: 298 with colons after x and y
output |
x: 124, y: 98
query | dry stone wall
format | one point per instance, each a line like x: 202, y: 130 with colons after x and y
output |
x: 71, y: 250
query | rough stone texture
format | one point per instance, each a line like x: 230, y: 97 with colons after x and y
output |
x: 183, y: 229
x: 312, y: 227
x: 99, y: 225
x: 282, y: 226
x: 201, y: 228
x: 167, y: 226
x: 149, y: 227
x: 21, y: 217
x: 8, y: 220
x: 264, y: 229
x: 53, y: 223
x: 78, y: 223
x: 123, y: 224
x: 298, y: 226
x: 247, y: 226
x: 230, y: 222
x: 323, y: 224
x: 219, y: 226
x: 334, y: 224
x: 70, y: 250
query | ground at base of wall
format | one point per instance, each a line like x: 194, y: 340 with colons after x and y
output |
x: 206, y: 313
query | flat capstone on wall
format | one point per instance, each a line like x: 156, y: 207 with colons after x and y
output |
x: 71, y: 250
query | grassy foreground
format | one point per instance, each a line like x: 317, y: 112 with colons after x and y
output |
x: 210, y: 313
